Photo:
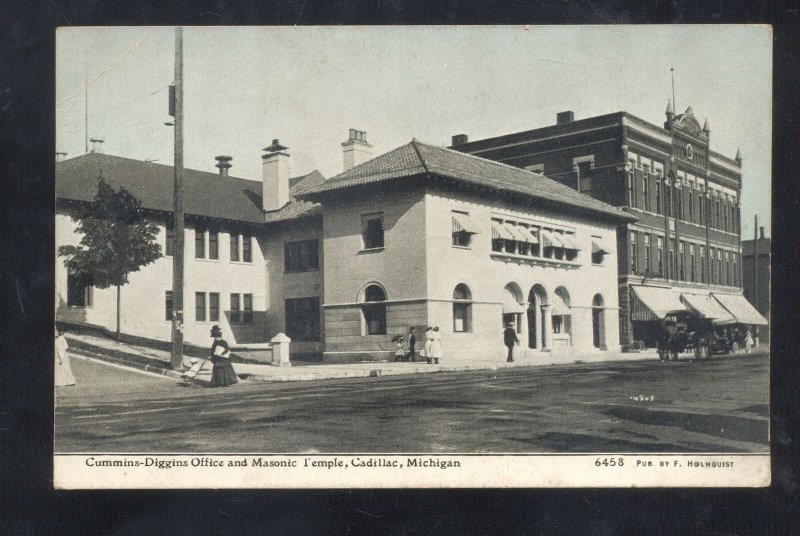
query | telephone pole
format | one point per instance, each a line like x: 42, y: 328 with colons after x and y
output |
x: 176, y: 357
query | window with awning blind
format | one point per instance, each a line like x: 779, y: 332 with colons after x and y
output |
x: 463, y: 229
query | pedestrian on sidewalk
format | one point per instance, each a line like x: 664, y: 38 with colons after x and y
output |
x: 436, y: 345
x: 399, y: 353
x: 222, y: 374
x: 63, y: 371
x: 748, y: 341
x: 510, y: 339
x: 428, y: 341
x: 412, y: 343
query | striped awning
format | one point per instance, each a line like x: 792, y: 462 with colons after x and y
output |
x: 654, y: 303
x: 511, y: 305
x: 569, y: 241
x: 550, y: 239
x: 462, y: 223
x: 559, y: 307
x: 599, y: 247
x: 529, y: 237
x: 515, y: 232
x: 707, y: 307
x: 741, y: 309
x: 499, y: 232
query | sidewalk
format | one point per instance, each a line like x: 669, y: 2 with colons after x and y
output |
x: 157, y: 361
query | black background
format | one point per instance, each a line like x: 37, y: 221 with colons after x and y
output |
x: 28, y: 505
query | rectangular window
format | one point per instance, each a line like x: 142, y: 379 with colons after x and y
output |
x: 702, y: 264
x: 712, y: 266
x: 584, y: 180
x: 80, y: 292
x: 658, y: 196
x: 667, y: 199
x: 236, y: 310
x: 691, y: 206
x: 301, y: 256
x: 302, y: 319
x: 728, y: 277
x: 168, y: 305
x: 632, y: 183
x: 701, y: 209
x: 247, y: 248
x: 660, y: 260
x: 735, y: 257
x: 678, y: 202
x: 169, y: 245
x: 199, y: 243
x: 200, y: 306
x: 461, y: 317
x: 247, y: 308
x: 681, y: 261
x: 213, y: 306
x: 647, y: 266
x: 461, y: 231
x: 632, y: 247
x: 646, y: 186
x: 692, y: 261
x: 372, y: 230
x: 671, y: 260
x: 213, y: 244
x: 235, y: 247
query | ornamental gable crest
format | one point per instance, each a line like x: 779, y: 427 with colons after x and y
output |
x: 687, y: 122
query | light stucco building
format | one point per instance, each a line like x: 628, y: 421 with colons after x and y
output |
x: 420, y: 236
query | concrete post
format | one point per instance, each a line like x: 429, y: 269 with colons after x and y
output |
x: 547, y: 327
x: 280, y: 350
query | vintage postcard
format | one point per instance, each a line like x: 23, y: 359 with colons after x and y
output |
x: 348, y: 257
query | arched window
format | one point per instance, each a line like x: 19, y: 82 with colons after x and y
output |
x: 462, y: 308
x: 374, y: 310
x: 562, y: 314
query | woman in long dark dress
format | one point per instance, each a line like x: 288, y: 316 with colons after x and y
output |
x: 222, y: 374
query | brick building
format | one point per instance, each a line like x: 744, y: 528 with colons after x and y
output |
x: 757, y: 272
x: 685, y: 245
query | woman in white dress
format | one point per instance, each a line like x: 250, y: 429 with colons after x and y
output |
x: 428, y: 342
x: 436, y: 345
x: 63, y: 370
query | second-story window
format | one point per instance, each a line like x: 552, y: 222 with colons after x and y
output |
x: 301, y: 256
x: 235, y: 257
x: 647, y: 261
x: 199, y: 243
x: 646, y: 186
x: 632, y: 182
x: 702, y: 264
x: 372, y: 230
x: 681, y: 261
x: 584, y: 180
x: 660, y: 259
x: 213, y: 244
x: 632, y: 248
x: 247, y: 248
x: 691, y: 263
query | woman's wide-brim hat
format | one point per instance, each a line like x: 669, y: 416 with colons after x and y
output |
x: 216, y: 331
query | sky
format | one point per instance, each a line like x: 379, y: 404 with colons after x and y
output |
x: 245, y: 86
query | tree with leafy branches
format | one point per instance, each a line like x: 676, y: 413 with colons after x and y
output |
x: 116, y: 241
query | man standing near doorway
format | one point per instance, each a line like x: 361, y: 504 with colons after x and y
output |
x: 510, y: 339
x: 412, y: 341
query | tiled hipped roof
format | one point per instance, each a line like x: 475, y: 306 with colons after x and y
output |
x: 205, y: 194
x: 419, y: 158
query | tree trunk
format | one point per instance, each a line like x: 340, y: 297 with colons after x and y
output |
x: 118, y: 309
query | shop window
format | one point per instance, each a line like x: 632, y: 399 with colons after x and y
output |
x: 374, y: 310
x: 80, y: 292
x: 462, y: 309
x: 372, y: 230
x: 302, y: 319
x: 301, y: 256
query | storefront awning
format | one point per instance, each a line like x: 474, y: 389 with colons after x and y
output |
x: 559, y: 307
x: 500, y: 233
x: 708, y: 307
x: 599, y: 247
x: 463, y: 223
x: 529, y: 238
x: 741, y: 309
x: 654, y: 303
x: 550, y: 239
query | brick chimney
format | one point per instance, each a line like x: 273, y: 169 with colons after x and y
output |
x: 562, y: 118
x: 356, y: 150
x: 459, y: 139
x: 275, y: 176
x: 223, y: 163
